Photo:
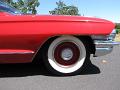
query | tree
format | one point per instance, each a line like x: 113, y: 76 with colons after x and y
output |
x: 6, y: 1
x: 117, y: 26
x: 25, y: 6
x: 63, y: 9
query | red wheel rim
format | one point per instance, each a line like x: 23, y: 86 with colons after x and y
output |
x: 67, y: 45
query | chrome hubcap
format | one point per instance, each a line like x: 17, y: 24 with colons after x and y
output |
x: 67, y: 54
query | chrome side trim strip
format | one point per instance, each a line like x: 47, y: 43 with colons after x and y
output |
x: 16, y: 52
x: 107, y: 43
x: 93, y: 21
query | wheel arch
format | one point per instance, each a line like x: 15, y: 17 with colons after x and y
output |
x: 87, y: 40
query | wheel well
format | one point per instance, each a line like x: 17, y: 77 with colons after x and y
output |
x: 87, y: 40
x: 39, y: 54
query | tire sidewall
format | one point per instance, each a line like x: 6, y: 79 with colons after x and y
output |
x: 48, y: 59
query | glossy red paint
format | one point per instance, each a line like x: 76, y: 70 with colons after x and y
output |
x: 4, y: 14
x: 29, y: 32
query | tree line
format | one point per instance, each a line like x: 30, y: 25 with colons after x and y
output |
x: 25, y: 6
x: 30, y: 6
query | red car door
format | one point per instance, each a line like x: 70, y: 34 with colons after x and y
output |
x: 17, y: 42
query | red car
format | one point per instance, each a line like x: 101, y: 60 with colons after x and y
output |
x: 64, y: 42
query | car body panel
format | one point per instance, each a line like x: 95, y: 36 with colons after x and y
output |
x: 21, y: 36
x: 50, y: 24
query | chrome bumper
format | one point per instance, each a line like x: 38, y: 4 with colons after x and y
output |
x: 104, y: 44
x: 104, y: 47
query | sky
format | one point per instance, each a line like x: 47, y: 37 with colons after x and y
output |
x: 106, y: 9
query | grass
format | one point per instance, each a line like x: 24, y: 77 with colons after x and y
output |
x: 118, y: 31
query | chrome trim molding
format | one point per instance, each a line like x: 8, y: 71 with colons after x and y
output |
x: 104, y: 44
x: 93, y: 21
x: 104, y: 47
x: 102, y: 51
x: 112, y: 36
x: 109, y: 37
x: 9, y: 53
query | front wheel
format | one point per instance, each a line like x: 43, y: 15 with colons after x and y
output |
x: 66, y: 55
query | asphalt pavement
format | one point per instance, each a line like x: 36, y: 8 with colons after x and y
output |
x: 102, y: 74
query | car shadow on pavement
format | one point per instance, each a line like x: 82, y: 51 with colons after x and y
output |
x: 32, y: 69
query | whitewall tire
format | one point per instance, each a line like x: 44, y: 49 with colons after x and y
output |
x: 66, y: 55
